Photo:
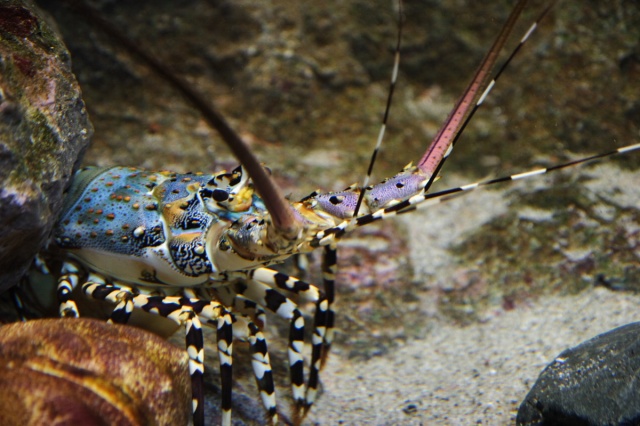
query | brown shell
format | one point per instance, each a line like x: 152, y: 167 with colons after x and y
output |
x: 83, y: 371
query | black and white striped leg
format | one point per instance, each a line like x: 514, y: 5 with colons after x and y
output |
x: 66, y: 283
x: 262, y: 371
x: 276, y: 302
x: 195, y: 350
x: 241, y: 305
x: 309, y: 293
x: 249, y: 320
x: 225, y: 354
x: 296, y: 363
x: 124, y: 307
x: 122, y: 312
x: 329, y: 269
x: 115, y: 293
x: 184, y: 311
x: 317, y: 349
x: 223, y: 321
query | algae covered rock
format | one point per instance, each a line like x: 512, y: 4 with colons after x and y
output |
x: 44, y: 129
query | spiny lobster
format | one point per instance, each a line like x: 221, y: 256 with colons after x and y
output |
x: 235, y: 189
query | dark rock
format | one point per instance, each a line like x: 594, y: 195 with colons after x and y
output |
x: 594, y: 383
x: 44, y: 129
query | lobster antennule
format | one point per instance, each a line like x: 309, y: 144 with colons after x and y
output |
x: 415, y: 180
x: 387, y: 109
x: 422, y: 200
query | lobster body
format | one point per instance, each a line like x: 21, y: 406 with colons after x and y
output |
x: 190, y: 245
x: 150, y: 228
x: 182, y: 230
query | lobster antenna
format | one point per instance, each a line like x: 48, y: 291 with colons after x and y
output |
x: 486, y: 92
x: 423, y: 199
x: 442, y: 145
x: 383, y: 127
x: 283, y: 218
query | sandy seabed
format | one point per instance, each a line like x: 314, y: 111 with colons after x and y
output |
x: 471, y: 375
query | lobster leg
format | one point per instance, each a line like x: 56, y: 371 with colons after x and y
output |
x: 122, y: 311
x: 262, y: 370
x: 247, y: 326
x: 241, y: 305
x: 276, y: 302
x: 118, y: 294
x: 309, y: 293
x: 66, y: 283
x: 329, y: 268
x: 195, y: 350
x: 184, y: 311
x: 18, y: 304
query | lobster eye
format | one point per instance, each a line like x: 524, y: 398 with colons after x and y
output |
x: 335, y: 200
x: 220, y: 195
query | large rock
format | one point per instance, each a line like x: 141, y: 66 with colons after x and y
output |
x: 82, y: 371
x: 44, y: 129
x: 595, y: 383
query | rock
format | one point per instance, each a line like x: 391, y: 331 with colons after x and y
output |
x: 594, y: 383
x: 44, y: 129
x: 81, y: 371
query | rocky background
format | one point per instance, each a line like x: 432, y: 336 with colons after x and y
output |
x: 449, y: 314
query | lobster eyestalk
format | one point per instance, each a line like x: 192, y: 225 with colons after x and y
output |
x: 283, y: 218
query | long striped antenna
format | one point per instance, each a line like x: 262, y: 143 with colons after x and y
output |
x: 423, y: 200
x: 385, y: 118
x: 448, y: 135
x: 449, y: 193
